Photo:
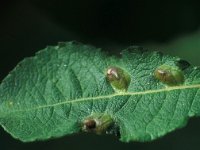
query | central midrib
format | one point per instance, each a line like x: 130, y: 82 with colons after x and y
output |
x: 106, y: 97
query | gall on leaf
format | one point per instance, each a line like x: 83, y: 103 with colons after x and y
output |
x: 169, y: 74
x: 118, y: 78
x: 97, y: 123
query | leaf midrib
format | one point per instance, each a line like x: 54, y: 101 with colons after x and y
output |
x: 107, y: 97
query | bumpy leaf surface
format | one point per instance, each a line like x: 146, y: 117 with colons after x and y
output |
x: 50, y: 94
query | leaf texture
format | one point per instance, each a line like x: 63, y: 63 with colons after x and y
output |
x: 50, y: 94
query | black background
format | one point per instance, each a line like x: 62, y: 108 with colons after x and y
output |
x: 28, y: 26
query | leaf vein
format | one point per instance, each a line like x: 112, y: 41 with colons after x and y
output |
x: 168, y: 89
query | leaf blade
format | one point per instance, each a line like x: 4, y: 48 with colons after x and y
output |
x: 62, y: 85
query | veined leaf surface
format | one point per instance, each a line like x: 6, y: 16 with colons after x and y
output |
x: 52, y: 93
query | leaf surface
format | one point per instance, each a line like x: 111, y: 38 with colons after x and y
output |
x: 50, y: 94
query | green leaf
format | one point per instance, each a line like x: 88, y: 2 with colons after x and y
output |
x: 73, y: 88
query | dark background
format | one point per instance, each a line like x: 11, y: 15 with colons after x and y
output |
x: 27, y: 26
